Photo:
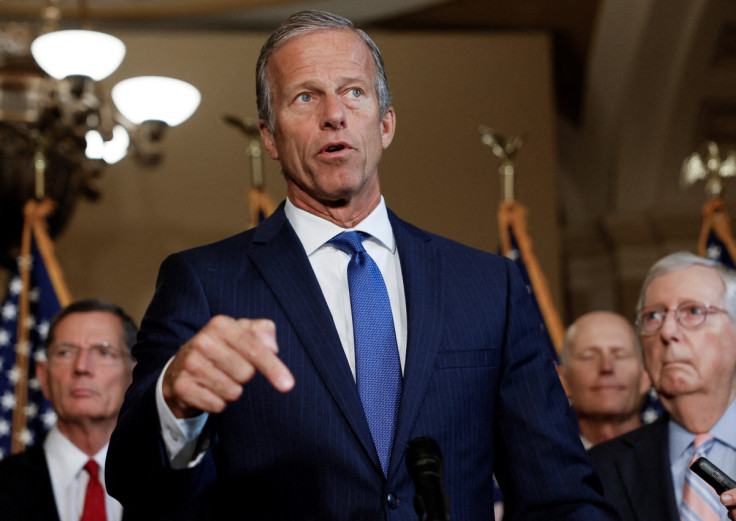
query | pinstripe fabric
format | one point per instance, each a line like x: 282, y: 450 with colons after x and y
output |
x: 476, y: 379
x: 699, y: 500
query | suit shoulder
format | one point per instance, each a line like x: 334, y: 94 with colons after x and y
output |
x: 233, y: 246
x: 26, y: 492
x: 442, y: 243
x: 212, y: 249
x: 653, y: 433
x: 11, y: 467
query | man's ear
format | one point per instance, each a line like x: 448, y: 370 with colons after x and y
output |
x: 645, y: 383
x: 268, y: 141
x: 388, y: 127
x: 42, y: 375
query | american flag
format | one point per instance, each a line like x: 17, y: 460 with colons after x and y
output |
x: 261, y: 205
x: 716, y: 240
x: 652, y: 408
x: 44, y: 304
x: 516, y: 244
x: 715, y: 249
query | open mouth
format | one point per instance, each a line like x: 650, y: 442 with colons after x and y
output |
x: 334, y: 148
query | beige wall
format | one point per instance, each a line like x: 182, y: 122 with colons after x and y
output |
x: 436, y: 174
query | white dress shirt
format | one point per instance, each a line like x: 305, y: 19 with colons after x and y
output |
x: 69, y: 479
x: 330, y: 267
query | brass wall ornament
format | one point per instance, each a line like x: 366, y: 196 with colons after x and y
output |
x: 260, y: 203
x: 505, y: 150
x: 710, y: 167
x: 249, y: 128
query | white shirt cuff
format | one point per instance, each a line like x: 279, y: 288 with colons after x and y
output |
x: 181, y: 436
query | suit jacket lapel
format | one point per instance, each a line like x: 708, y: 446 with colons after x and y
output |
x: 280, y: 258
x: 647, y: 476
x: 34, y: 486
x: 421, y: 272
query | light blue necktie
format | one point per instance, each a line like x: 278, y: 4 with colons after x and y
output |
x: 377, y: 365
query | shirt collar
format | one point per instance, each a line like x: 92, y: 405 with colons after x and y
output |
x: 70, y: 457
x: 314, y: 231
x: 723, y: 431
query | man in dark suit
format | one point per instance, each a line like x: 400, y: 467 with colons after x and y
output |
x: 87, y: 369
x: 603, y: 375
x: 244, y: 401
x: 685, y: 318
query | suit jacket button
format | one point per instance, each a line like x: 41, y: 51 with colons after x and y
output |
x: 392, y: 500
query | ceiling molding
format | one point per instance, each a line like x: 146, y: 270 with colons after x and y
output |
x: 140, y: 9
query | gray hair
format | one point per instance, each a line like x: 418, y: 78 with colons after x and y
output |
x: 684, y: 259
x: 300, y: 24
x: 130, y: 329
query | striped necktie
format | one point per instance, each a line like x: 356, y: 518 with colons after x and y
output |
x: 377, y: 365
x: 699, y: 500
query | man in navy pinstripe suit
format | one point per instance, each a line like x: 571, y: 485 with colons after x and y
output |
x: 244, y: 402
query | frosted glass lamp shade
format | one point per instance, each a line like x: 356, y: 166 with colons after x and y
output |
x: 78, y: 53
x: 110, y: 151
x: 156, y: 98
x: 95, y: 144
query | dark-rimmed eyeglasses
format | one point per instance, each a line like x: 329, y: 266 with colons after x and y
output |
x: 689, y: 315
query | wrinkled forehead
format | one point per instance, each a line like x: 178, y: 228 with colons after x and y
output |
x: 88, y: 327
x: 321, y: 49
x: 605, y: 337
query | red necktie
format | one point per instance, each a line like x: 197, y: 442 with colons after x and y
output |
x: 94, y: 501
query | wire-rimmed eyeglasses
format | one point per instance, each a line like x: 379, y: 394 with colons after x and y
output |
x: 689, y: 315
x: 104, y: 353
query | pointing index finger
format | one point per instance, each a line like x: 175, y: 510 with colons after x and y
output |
x: 257, y: 344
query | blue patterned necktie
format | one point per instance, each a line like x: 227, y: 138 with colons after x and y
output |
x: 377, y: 365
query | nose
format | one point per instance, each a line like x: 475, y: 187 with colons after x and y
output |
x: 670, y: 327
x: 84, y: 362
x: 606, y: 363
x: 333, y: 116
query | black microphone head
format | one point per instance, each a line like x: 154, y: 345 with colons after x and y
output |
x: 423, y: 455
x: 424, y: 463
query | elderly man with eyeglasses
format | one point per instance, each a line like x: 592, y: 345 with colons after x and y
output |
x: 686, y: 318
x: 87, y: 369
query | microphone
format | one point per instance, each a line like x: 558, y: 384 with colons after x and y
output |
x: 424, y: 462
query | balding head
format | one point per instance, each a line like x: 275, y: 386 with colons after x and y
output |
x: 615, y: 326
x: 602, y: 367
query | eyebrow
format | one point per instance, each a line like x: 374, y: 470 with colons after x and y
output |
x: 310, y: 83
x: 72, y: 344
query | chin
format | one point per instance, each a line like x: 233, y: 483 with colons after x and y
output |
x: 608, y: 409
x: 84, y: 412
x: 674, y: 388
